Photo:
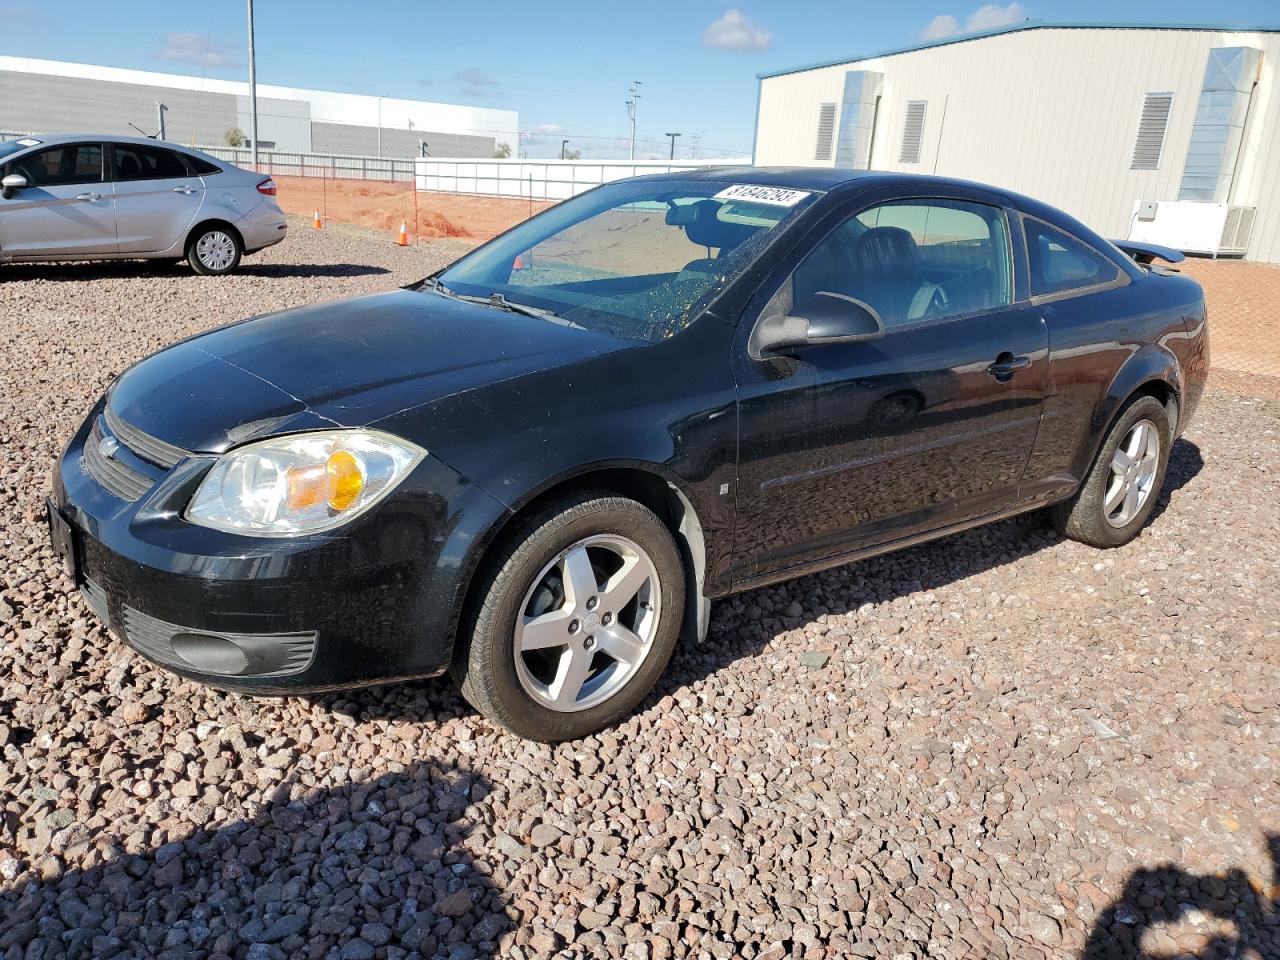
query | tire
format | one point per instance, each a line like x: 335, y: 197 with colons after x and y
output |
x: 214, y: 250
x: 1092, y: 516
x: 566, y: 681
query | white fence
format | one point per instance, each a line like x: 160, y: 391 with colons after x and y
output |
x: 332, y: 166
x: 540, y: 179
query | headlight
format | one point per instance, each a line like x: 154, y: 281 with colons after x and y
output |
x: 302, y: 483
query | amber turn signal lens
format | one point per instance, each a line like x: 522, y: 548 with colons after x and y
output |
x: 346, y: 480
x: 307, y: 486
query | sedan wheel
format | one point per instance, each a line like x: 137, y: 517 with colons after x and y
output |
x: 1118, y: 495
x: 214, y: 252
x: 575, y: 621
x: 1134, y: 466
x: 587, y: 623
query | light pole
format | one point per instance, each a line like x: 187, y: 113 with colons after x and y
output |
x: 633, y: 102
x: 160, y: 112
x: 673, y: 143
x: 253, y: 91
x: 380, y: 126
x: 563, y: 144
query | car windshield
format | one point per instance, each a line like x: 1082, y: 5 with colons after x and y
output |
x: 637, y: 259
x: 10, y: 147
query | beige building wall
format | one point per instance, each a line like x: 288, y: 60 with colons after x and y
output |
x: 1051, y: 112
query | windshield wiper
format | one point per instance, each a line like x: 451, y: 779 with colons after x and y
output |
x: 500, y: 301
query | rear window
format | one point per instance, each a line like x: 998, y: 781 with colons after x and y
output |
x: 136, y: 162
x: 199, y: 166
x: 1060, y: 263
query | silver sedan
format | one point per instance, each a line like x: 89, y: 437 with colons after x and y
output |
x: 90, y: 197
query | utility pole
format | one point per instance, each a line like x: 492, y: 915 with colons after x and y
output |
x: 563, y: 144
x: 673, y: 143
x: 380, y: 99
x: 633, y: 102
x: 160, y: 110
x: 253, y: 91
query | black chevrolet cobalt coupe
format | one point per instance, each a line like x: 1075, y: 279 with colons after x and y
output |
x: 537, y: 467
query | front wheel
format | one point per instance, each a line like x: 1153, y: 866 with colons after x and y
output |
x: 576, y: 620
x: 1117, y: 497
x: 214, y: 251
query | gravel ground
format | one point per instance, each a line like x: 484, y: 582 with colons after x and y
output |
x: 1003, y: 744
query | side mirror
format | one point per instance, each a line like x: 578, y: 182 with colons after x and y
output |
x: 824, y: 318
x: 12, y: 183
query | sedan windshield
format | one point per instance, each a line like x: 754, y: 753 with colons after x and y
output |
x: 637, y: 259
x: 9, y: 147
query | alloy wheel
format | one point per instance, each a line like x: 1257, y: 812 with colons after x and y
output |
x: 1134, y: 466
x: 587, y: 623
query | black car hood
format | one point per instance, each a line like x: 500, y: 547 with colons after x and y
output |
x: 346, y: 363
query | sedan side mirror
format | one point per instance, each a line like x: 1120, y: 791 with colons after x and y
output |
x: 11, y: 184
x: 824, y: 318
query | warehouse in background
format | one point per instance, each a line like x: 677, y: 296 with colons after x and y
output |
x: 1169, y: 134
x: 50, y: 96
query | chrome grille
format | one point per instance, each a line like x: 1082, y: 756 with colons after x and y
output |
x: 144, y: 445
x: 119, y: 480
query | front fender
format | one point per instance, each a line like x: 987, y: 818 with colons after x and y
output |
x: 1153, y: 364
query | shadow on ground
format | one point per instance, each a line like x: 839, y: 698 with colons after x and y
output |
x: 1244, y: 920
x: 353, y: 867
x: 735, y: 635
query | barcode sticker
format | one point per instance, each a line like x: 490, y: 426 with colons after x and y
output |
x: 774, y: 196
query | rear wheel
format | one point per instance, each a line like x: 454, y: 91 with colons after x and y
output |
x: 214, y: 251
x: 576, y: 619
x: 1117, y: 497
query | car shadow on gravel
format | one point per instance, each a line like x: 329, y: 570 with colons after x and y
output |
x: 748, y: 623
x: 1244, y: 917
x: 342, y: 871
x: 80, y: 272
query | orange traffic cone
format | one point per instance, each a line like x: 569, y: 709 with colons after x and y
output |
x: 402, y: 240
x: 316, y: 221
x: 519, y: 264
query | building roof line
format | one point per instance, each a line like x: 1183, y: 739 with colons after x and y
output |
x: 1017, y: 28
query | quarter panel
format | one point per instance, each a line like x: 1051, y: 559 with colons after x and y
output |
x: 1103, y: 347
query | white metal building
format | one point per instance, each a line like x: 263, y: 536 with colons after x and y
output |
x: 50, y: 96
x: 1169, y: 134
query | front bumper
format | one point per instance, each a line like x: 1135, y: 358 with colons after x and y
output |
x: 373, y: 601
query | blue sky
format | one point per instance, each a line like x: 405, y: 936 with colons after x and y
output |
x: 565, y: 67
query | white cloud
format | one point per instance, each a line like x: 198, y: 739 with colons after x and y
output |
x: 943, y: 25
x: 195, y: 48
x: 734, y: 31
x: 545, y: 130
x: 989, y: 16
x: 476, y: 82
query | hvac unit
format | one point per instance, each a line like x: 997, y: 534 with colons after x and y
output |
x: 1192, y: 226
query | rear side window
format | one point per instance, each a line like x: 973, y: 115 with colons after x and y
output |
x: 1060, y: 263
x: 137, y: 162
x: 199, y: 167
x: 58, y: 166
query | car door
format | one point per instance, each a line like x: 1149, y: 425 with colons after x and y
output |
x: 64, y: 210
x: 157, y: 199
x: 850, y: 446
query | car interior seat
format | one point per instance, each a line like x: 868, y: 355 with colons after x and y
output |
x: 130, y: 168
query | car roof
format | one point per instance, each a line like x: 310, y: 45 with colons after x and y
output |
x: 54, y: 139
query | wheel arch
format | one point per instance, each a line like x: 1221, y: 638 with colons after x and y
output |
x: 1152, y: 371
x: 643, y: 482
x: 203, y: 225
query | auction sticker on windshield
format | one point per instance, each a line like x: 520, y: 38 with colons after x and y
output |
x: 777, y: 196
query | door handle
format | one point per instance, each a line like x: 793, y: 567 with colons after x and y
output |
x: 1006, y: 365
x: 187, y: 190
x: 89, y: 196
